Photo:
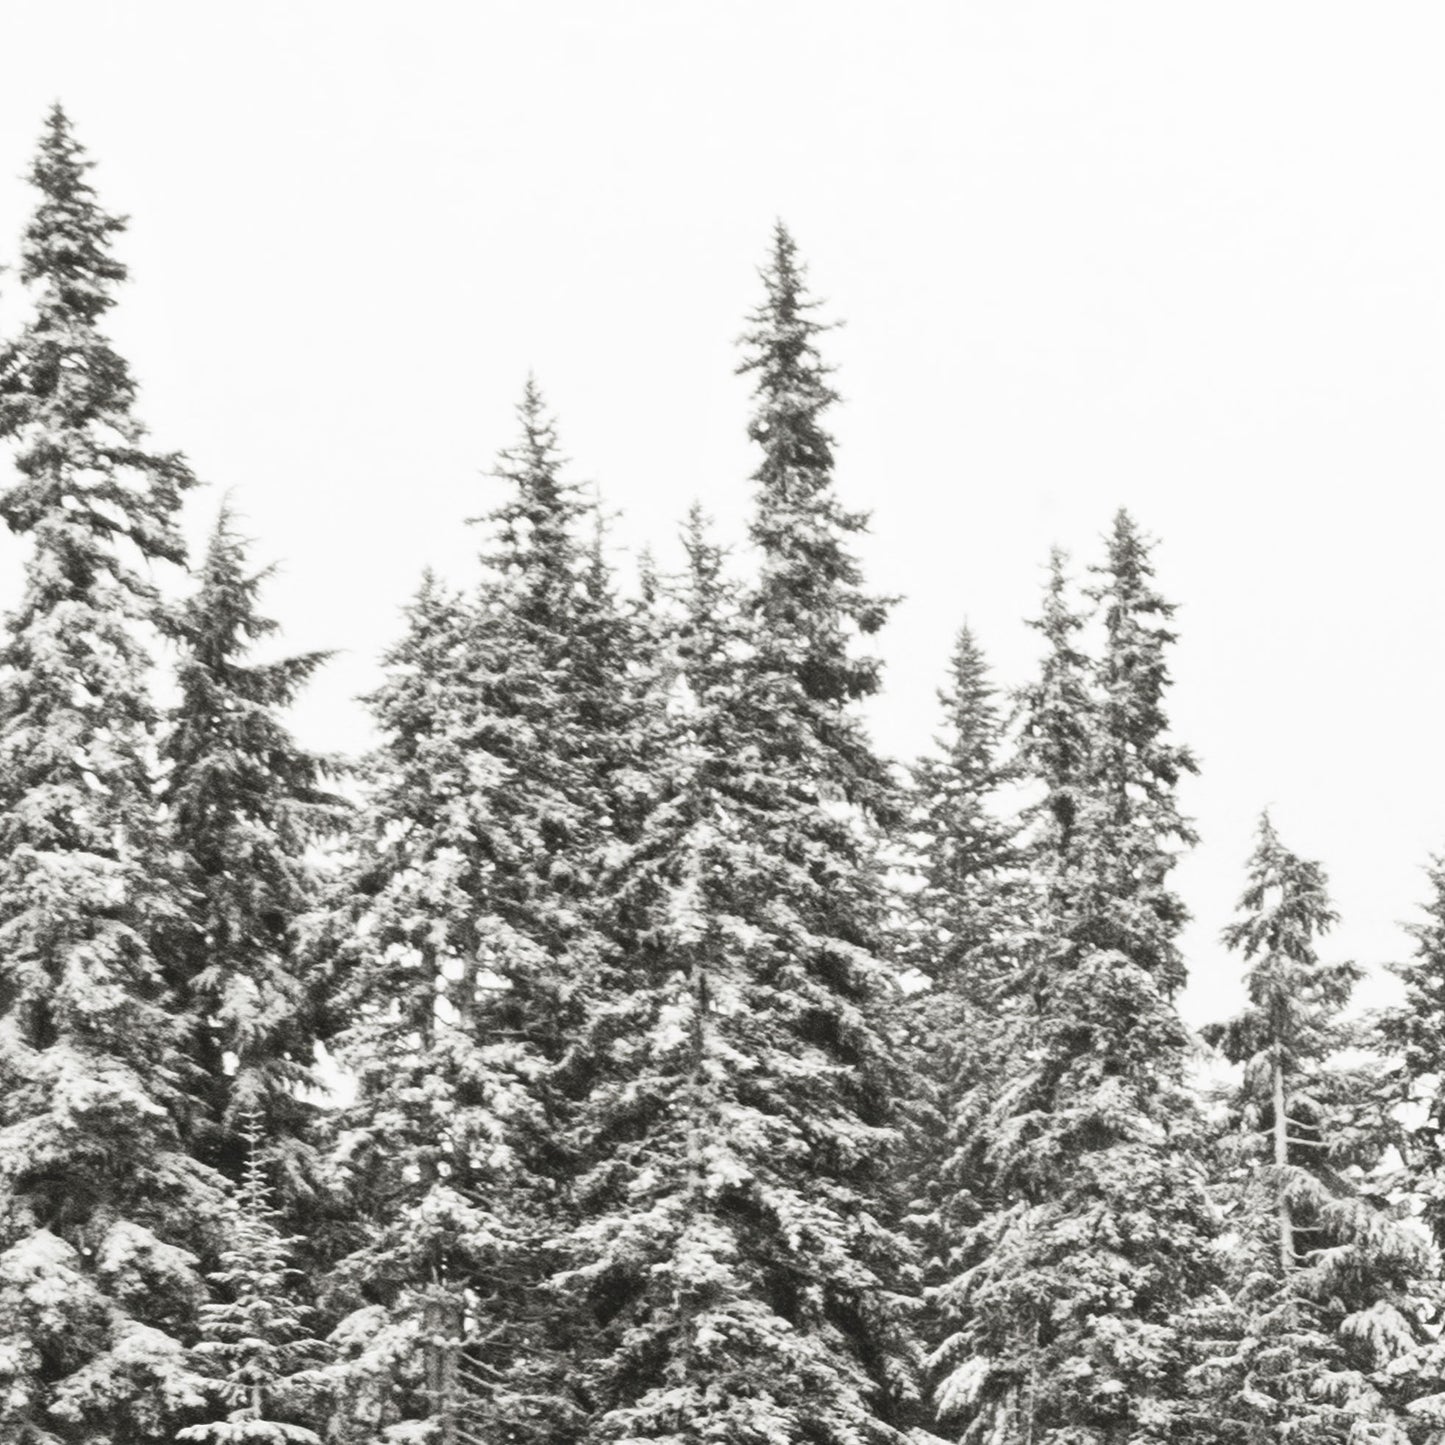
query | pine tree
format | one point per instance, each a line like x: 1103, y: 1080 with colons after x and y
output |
x: 1136, y: 767
x: 255, y: 1344
x: 730, y: 1247
x: 101, y: 1211
x: 1057, y: 727
x: 810, y: 612
x: 617, y: 662
x: 967, y: 846
x: 739, y: 1245
x: 810, y: 604
x: 462, y: 934
x: 245, y: 804
x: 1064, y: 1316
x: 400, y: 937
x: 1330, y: 1290
x: 1412, y: 1035
x: 964, y: 922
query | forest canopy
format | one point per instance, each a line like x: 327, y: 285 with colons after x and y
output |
x: 624, y: 1050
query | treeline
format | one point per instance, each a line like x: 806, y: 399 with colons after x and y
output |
x: 642, y: 1057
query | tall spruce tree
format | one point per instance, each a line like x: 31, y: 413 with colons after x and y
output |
x: 1058, y: 725
x: 1136, y: 767
x: 1331, y: 1291
x: 245, y: 805
x: 738, y: 1247
x: 1065, y: 1315
x: 729, y: 1249
x: 461, y: 936
x: 398, y: 936
x: 619, y: 668
x: 810, y: 602
x: 967, y: 847
x: 101, y: 1209
x: 255, y: 1347
x: 964, y: 921
x: 1412, y: 1036
x: 812, y: 615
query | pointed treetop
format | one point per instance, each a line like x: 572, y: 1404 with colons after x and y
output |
x: 1056, y: 741
x: 67, y: 242
x: 539, y: 431
x: 780, y: 348
x: 969, y: 709
x: 1286, y: 902
x: 701, y: 595
x: 228, y: 589
x: 66, y: 396
x: 541, y: 509
x: 1058, y: 621
x: 1126, y: 589
x: 810, y: 596
x: 785, y: 279
x: 1139, y: 764
x: 219, y: 624
x: 1285, y: 907
x: 704, y: 559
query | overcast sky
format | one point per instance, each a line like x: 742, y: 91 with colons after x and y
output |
x: 1186, y: 258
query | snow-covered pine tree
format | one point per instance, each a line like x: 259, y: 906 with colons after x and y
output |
x: 1135, y: 768
x: 616, y: 656
x: 1412, y: 1037
x: 1411, y: 1109
x: 732, y: 1249
x: 984, y: 1375
x: 810, y: 602
x: 100, y: 1207
x: 1065, y: 1314
x: 460, y: 938
x: 739, y: 1246
x: 245, y: 804
x: 397, y: 938
x: 255, y: 1342
x: 963, y: 923
x: 1057, y: 725
x: 966, y: 842
x: 1330, y: 1289
x: 810, y: 613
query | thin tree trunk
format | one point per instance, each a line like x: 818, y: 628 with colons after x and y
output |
x: 696, y: 1126
x: 1281, y: 1161
x: 1031, y: 1399
x: 442, y: 1327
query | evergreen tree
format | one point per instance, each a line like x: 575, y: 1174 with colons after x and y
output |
x: 254, y: 1342
x: 461, y: 936
x: 245, y: 806
x: 405, y: 939
x: 1329, y: 1288
x: 810, y: 604
x: 1065, y: 1313
x: 1057, y: 728
x: 739, y: 1246
x: 618, y: 664
x: 967, y: 848
x: 101, y: 1210
x: 1136, y: 767
x: 964, y: 922
x: 1412, y: 1036
x: 731, y: 1247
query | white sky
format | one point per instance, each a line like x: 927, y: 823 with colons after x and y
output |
x: 1189, y: 258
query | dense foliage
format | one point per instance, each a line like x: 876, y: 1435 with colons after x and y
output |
x: 624, y: 1051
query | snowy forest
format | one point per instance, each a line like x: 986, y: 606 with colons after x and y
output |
x: 625, y: 1050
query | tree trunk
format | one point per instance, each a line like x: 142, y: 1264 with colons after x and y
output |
x: 1281, y: 1161
x: 443, y: 1330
